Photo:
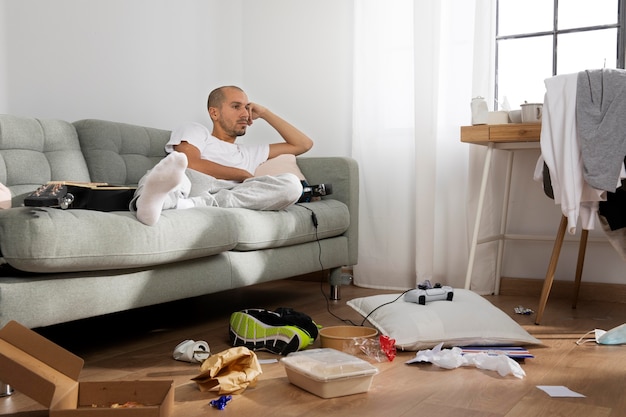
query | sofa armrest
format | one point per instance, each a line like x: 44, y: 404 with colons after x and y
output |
x: 343, y: 174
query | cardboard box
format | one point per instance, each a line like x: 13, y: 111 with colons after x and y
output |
x: 48, y: 374
x: 329, y: 373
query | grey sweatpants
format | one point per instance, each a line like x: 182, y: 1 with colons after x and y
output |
x: 275, y: 192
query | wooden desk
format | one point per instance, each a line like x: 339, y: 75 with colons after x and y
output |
x: 511, y: 137
x: 511, y: 133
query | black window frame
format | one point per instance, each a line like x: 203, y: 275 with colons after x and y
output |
x: 555, y: 32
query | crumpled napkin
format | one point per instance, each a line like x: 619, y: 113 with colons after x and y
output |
x: 229, y: 372
x: 453, y: 358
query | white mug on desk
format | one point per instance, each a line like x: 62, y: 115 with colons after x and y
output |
x: 531, y: 112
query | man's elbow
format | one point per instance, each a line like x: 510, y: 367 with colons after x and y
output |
x: 306, y: 146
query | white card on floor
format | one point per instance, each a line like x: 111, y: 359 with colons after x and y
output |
x: 558, y: 391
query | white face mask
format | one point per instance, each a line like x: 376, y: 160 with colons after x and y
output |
x: 615, y: 336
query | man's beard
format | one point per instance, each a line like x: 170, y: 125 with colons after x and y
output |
x: 234, y: 131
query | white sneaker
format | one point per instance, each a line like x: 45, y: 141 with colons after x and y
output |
x: 191, y: 351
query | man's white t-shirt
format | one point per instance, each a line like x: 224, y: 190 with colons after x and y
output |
x: 247, y: 157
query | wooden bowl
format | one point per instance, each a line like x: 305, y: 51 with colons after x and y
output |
x: 343, y: 337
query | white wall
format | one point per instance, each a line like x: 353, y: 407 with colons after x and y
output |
x: 136, y: 61
x: 297, y: 58
x: 154, y: 62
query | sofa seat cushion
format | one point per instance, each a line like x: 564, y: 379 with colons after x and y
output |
x: 271, y: 229
x: 53, y: 240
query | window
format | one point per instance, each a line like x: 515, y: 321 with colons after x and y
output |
x: 537, y: 39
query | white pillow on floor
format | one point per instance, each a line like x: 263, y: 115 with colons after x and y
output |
x: 467, y: 320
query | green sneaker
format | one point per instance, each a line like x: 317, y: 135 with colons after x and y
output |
x: 281, y: 332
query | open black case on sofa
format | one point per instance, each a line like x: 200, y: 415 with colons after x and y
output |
x: 89, y: 196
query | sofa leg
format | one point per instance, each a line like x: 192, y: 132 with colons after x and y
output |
x: 335, y: 283
x: 5, y: 389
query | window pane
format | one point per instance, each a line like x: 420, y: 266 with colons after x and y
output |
x: 586, y: 50
x: 528, y: 16
x: 584, y: 13
x: 524, y: 64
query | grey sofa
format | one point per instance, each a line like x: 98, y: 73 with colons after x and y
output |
x: 63, y: 265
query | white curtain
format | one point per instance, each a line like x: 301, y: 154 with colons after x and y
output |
x: 414, y: 74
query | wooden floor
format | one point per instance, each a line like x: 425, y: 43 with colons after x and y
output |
x: 139, y: 345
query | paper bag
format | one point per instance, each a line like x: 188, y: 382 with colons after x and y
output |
x: 229, y: 372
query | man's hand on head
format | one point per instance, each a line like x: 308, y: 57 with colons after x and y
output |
x: 255, y: 111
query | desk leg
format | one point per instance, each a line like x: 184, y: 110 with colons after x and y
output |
x: 479, y: 212
x: 503, y: 221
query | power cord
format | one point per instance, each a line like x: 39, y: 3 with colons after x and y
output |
x: 382, y: 305
x: 317, y: 238
x: 319, y: 258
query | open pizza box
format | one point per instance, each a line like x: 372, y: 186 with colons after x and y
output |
x: 48, y: 374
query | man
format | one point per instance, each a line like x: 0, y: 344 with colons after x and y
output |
x: 210, y: 169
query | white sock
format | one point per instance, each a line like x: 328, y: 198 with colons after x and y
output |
x: 184, y: 203
x: 163, y: 178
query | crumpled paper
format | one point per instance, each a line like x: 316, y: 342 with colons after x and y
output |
x: 229, y: 372
x: 454, y: 357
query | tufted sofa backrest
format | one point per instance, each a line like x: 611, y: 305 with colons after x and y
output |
x: 35, y: 151
x: 119, y: 153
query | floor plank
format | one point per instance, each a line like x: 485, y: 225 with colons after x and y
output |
x: 139, y: 345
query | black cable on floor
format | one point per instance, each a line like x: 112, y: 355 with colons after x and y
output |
x: 319, y: 258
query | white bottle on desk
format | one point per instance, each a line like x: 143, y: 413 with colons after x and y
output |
x: 479, y: 111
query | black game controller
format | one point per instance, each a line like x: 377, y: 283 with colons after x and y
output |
x: 312, y: 192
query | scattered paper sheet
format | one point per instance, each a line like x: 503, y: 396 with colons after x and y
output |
x: 558, y: 391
